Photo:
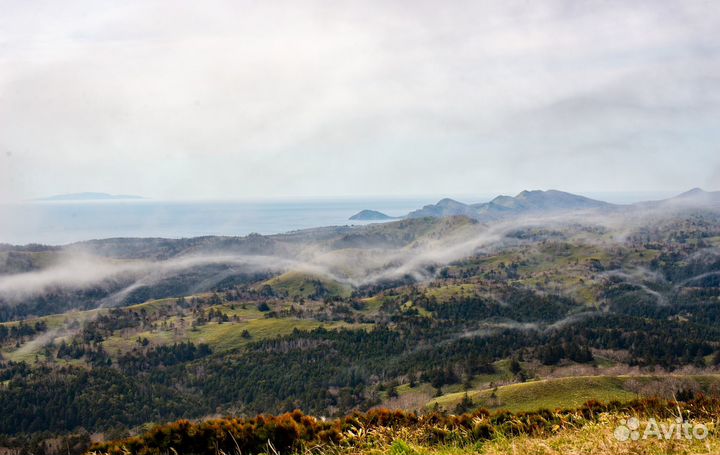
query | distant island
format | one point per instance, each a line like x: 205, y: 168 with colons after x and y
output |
x: 370, y: 215
x: 88, y: 197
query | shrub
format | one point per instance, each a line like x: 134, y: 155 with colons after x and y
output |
x: 295, y: 432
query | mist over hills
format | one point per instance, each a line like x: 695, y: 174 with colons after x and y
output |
x: 449, y: 297
x: 122, y: 271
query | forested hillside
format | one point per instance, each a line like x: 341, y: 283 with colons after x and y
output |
x: 458, y: 316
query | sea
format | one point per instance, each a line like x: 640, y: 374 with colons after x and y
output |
x: 63, y: 222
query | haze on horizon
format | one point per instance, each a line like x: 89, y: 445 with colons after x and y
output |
x: 240, y: 99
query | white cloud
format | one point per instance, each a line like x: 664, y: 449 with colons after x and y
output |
x: 250, y: 99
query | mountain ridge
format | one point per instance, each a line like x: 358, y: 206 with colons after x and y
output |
x: 549, y: 201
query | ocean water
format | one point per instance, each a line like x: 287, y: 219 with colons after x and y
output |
x: 57, y: 223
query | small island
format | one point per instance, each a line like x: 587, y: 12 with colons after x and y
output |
x: 370, y: 215
x: 88, y: 197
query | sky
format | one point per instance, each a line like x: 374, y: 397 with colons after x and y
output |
x: 262, y: 99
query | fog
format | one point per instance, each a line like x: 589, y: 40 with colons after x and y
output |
x: 640, y: 277
x: 81, y: 266
x: 356, y: 267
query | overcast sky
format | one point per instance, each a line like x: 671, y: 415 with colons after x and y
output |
x: 240, y: 99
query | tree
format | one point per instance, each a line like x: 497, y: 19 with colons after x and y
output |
x: 515, y: 367
x: 264, y: 307
x: 465, y: 405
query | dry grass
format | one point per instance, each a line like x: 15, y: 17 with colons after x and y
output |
x: 596, y: 438
x: 586, y: 430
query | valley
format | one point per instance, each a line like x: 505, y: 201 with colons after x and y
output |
x: 432, y: 315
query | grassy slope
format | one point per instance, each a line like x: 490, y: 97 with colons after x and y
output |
x: 229, y: 336
x: 220, y: 337
x: 298, y: 284
x: 558, y: 393
x: 592, y: 439
x: 563, y: 266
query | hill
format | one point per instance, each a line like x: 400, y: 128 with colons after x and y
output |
x: 539, y: 312
x: 305, y: 285
x: 538, y: 202
x: 571, y: 392
x: 526, y: 202
x: 694, y: 198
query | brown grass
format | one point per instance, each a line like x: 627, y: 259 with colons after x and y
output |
x: 587, y: 430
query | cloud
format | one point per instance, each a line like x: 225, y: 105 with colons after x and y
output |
x: 315, y: 98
